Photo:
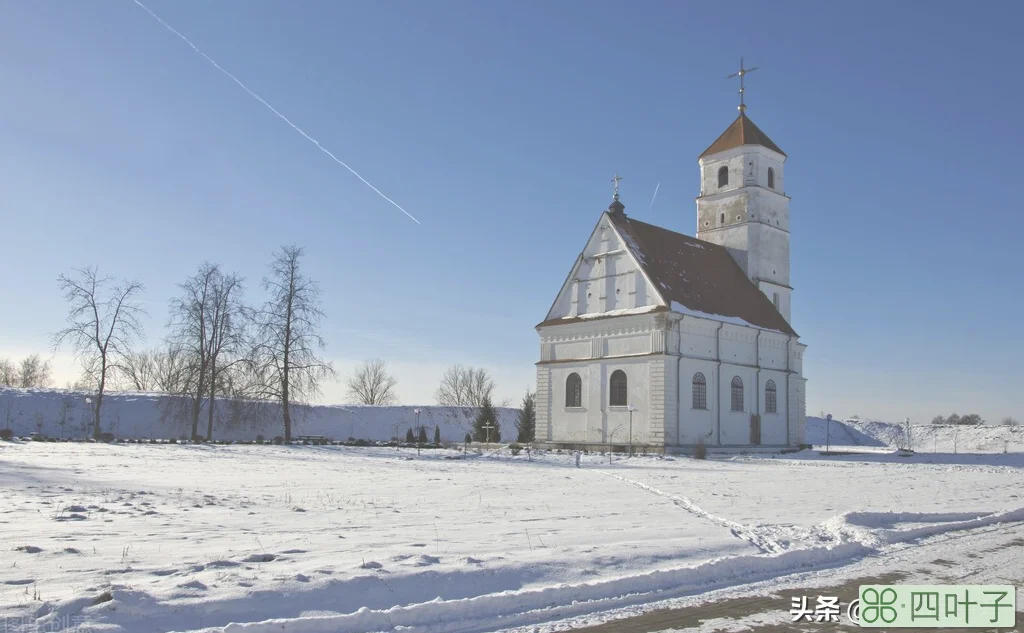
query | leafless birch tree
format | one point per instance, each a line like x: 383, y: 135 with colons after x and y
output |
x: 372, y: 384
x: 206, y: 327
x: 286, y: 349
x: 103, y: 324
x: 226, y: 338
x: 464, y: 387
x: 34, y: 372
x: 8, y: 373
x: 190, y: 327
x: 139, y: 370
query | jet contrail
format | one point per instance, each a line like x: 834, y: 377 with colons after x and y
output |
x: 654, y: 196
x: 274, y: 110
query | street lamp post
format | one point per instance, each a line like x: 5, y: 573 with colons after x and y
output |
x: 631, y: 409
x: 828, y: 433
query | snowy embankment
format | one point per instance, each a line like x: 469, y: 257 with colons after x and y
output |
x: 146, y: 415
x: 128, y: 538
x: 924, y: 438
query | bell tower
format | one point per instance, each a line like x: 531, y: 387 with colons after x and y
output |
x: 743, y: 205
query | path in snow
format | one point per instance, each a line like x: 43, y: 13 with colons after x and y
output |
x: 759, y: 537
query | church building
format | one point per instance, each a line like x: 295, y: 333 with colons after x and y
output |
x: 666, y: 341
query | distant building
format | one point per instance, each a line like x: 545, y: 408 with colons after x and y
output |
x: 694, y: 334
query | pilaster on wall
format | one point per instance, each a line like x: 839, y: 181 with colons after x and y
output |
x: 543, y: 404
x: 797, y: 409
x: 670, y: 400
x: 656, y: 416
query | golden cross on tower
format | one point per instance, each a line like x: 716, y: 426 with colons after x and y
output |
x: 743, y: 71
x: 615, y: 179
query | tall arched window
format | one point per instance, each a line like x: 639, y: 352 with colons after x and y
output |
x: 700, y: 391
x: 771, y: 178
x: 771, y: 401
x: 723, y: 176
x: 775, y: 299
x: 573, y: 391
x: 617, y: 397
x: 737, y: 393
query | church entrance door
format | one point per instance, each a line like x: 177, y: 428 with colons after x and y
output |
x: 755, y: 429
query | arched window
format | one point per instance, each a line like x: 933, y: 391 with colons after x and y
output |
x: 723, y: 176
x: 771, y: 401
x: 737, y: 393
x: 617, y: 397
x: 573, y: 391
x: 775, y: 299
x: 700, y: 391
x: 771, y: 178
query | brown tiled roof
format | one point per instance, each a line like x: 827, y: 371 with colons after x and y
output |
x: 700, y: 276
x: 741, y: 132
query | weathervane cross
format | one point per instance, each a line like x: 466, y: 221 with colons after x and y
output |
x: 615, y: 180
x: 742, y: 71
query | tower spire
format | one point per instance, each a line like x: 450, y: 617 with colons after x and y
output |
x: 742, y: 71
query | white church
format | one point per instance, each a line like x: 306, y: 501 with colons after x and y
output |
x: 665, y: 341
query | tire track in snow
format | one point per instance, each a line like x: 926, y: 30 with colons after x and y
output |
x: 759, y: 538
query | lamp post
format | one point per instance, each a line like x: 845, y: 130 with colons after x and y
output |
x: 828, y: 432
x: 631, y: 409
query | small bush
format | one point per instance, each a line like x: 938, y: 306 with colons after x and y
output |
x: 174, y: 441
x: 260, y: 439
x: 278, y: 440
x: 515, y: 448
x: 469, y: 438
x: 107, y: 437
x: 6, y: 434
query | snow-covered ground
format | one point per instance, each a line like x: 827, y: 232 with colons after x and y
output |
x: 141, y: 415
x: 923, y: 438
x: 302, y: 539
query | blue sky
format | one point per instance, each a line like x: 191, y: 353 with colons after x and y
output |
x: 498, y: 125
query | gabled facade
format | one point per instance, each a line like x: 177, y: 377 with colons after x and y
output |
x: 666, y: 341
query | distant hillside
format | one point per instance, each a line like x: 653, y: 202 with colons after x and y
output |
x: 140, y: 415
x: 925, y: 438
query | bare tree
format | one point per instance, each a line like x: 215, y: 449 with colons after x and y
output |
x: 104, y: 322
x: 225, y: 336
x: 170, y: 367
x: 372, y: 384
x: 139, y: 370
x: 34, y: 372
x: 285, y: 352
x: 67, y: 403
x: 464, y: 387
x: 190, y: 328
x: 8, y: 373
x: 1008, y: 421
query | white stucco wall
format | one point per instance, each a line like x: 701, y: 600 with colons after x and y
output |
x: 749, y: 218
x: 660, y: 354
x: 604, y: 278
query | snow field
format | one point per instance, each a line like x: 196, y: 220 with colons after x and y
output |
x: 260, y: 538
